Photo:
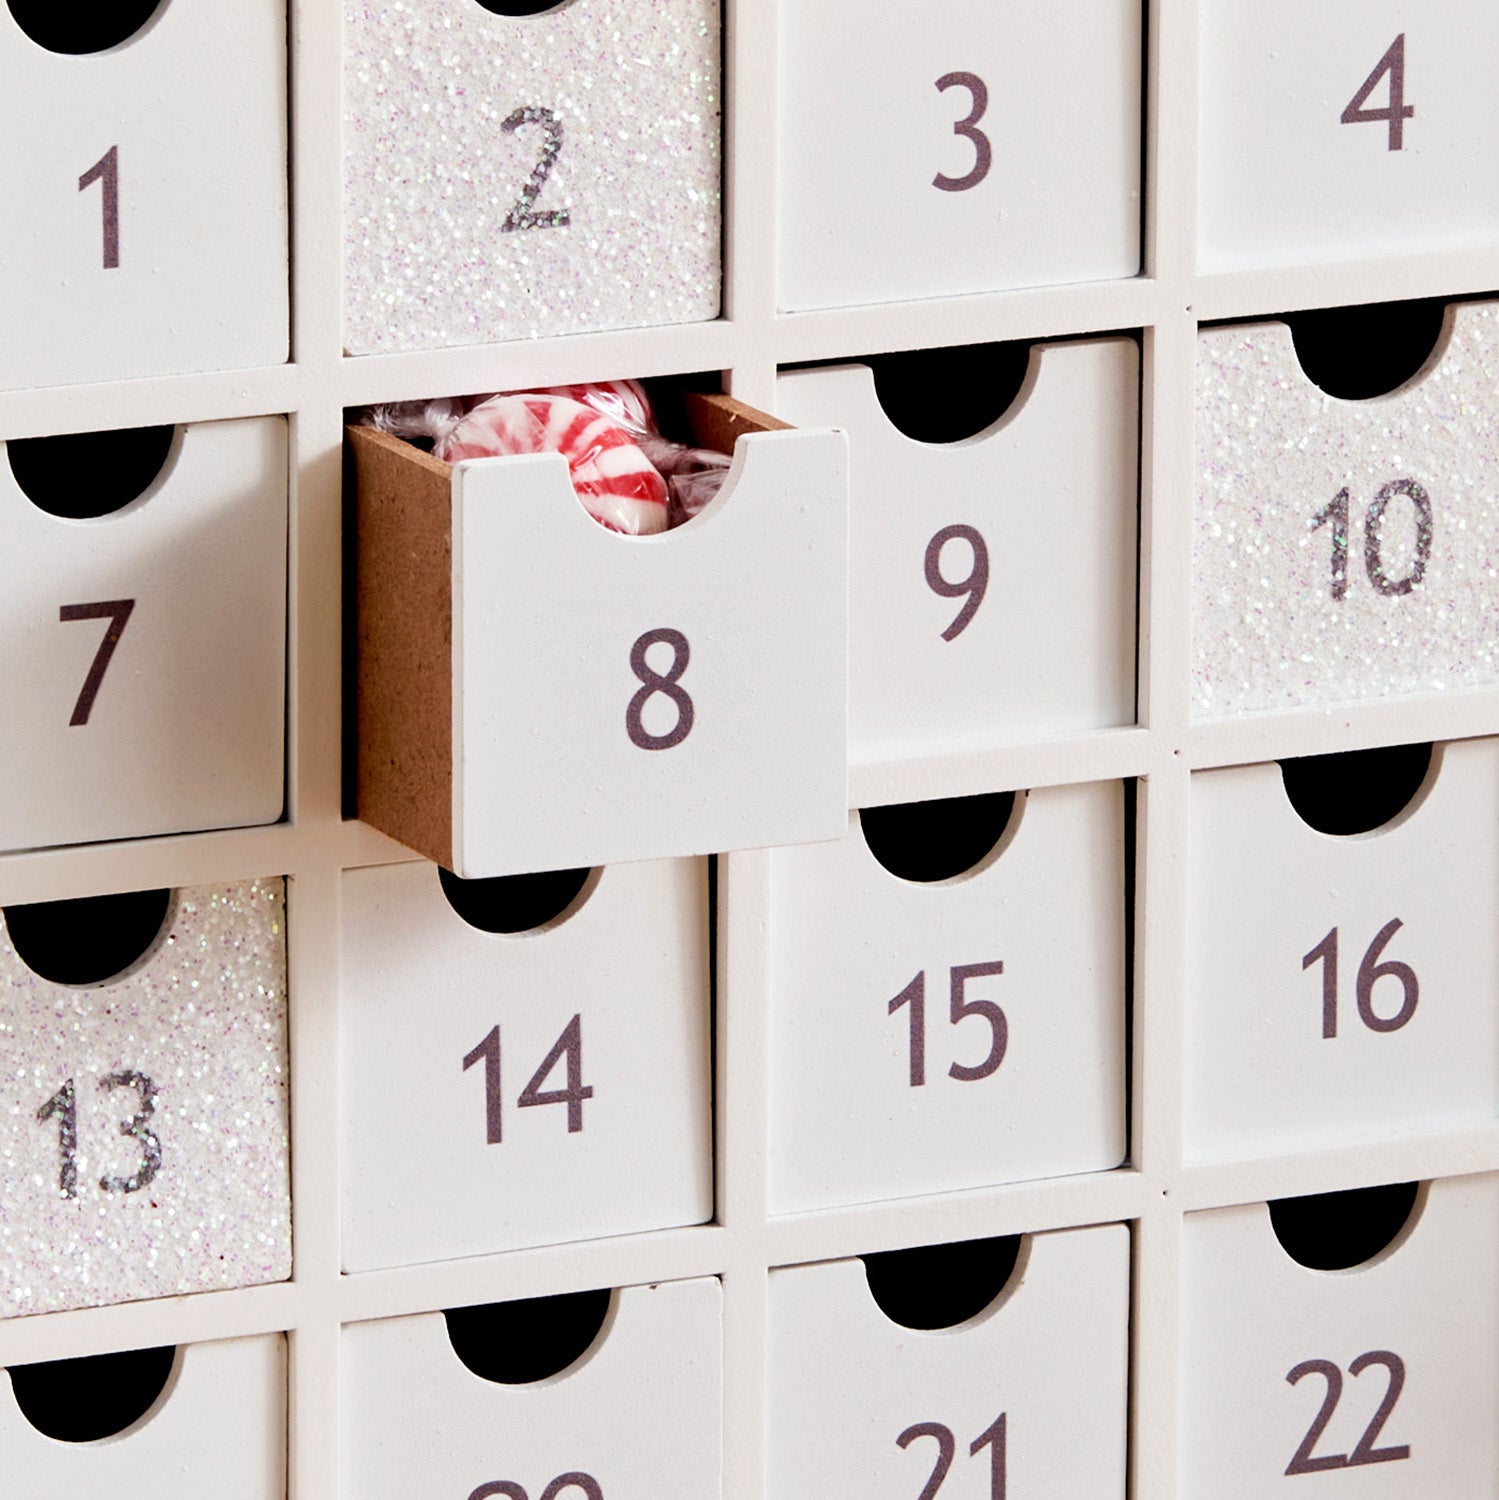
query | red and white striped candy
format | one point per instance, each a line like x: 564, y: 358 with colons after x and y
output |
x: 614, y: 480
x: 622, y: 401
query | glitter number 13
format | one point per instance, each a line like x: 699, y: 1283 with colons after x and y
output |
x: 63, y: 1107
x: 1336, y: 512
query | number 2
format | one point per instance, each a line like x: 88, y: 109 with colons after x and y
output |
x: 522, y: 214
x: 983, y: 154
x: 106, y: 172
x: 1397, y: 112
x: 117, y: 612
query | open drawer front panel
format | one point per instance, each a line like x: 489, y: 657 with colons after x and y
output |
x: 537, y: 692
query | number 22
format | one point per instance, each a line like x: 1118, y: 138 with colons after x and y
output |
x: 983, y: 154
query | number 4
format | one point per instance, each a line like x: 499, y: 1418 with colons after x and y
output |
x: 1397, y: 112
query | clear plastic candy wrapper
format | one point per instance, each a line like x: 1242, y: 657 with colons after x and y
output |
x: 627, y: 475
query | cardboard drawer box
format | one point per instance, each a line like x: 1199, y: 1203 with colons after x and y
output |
x: 1378, y: 1381
x: 1029, y: 1396
x: 969, y: 148
x: 1341, y: 989
x: 604, y: 1008
x: 218, y: 1427
x: 145, y: 649
x: 148, y: 233
x: 991, y: 580
x: 1346, y: 130
x: 638, y: 1413
x: 928, y: 1037
x: 536, y: 692
x: 143, y: 1111
x: 521, y: 176
x: 1341, y: 548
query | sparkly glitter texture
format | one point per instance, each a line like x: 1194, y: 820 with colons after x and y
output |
x: 203, y: 1021
x: 1413, y: 548
x: 452, y: 114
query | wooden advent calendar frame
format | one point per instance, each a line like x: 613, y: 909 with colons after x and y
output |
x: 316, y: 843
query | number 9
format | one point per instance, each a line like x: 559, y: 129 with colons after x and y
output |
x: 975, y: 585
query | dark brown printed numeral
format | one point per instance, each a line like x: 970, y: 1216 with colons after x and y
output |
x: 1397, y: 112
x: 970, y: 589
x: 117, y: 612
x: 63, y: 1106
x: 106, y: 172
x: 1370, y: 971
x: 1304, y: 1461
x: 1364, y: 1451
x: 668, y: 684
x: 488, y: 1052
x: 946, y: 1447
x: 1335, y: 515
x: 570, y: 1046
x: 522, y: 214
x: 983, y: 155
x: 913, y: 998
x: 993, y: 1437
x: 508, y: 1489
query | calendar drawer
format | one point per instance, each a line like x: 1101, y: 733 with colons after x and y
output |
x: 148, y: 228
x: 1027, y: 1389
x: 1380, y: 1377
x: 970, y: 148
x: 636, y: 1412
x: 1346, y: 130
x: 991, y: 581
x: 537, y: 692
x: 144, y: 666
x: 143, y: 1109
x: 931, y: 1034
x: 519, y: 176
x: 601, y: 1000
x: 1341, y: 987
x: 1339, y: 548
x: 202, y: 1419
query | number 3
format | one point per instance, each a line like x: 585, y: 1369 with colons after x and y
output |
x: 983, y: 155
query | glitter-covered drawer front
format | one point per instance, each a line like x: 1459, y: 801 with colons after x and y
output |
x: 217, y: 1428
x: 1346, y: 130
x: 638, y: 1413
x: 929, y: 1037
x: 146, y: 232
x: 144, y: 662
x: 518, y: 177
x: 1341, y: 988
x: 1027, y: 1397
x: 598, y: 1011
x: 1343, y: 550
x: 143, y: 1113
x: 937, y: 150
x: 538, y: 693
x: 992, y: 580
x: 1380, y: 1381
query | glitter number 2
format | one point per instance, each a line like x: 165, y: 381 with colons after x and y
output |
x: 63, y: 1107
x: 1336, y: 513
x: 522, y: 214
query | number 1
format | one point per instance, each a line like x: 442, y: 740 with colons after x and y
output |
x: 106, y: 172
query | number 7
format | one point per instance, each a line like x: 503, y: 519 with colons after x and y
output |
x: 117, y: 612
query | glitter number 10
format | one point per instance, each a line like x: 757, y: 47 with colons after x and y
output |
x: 1336, y: 512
